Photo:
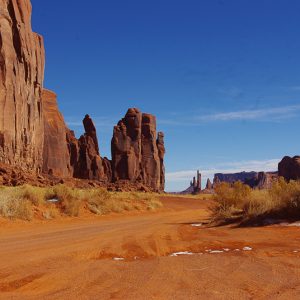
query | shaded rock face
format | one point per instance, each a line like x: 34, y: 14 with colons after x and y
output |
x: 231, y: 178
x: 289, y: 168
x: 161, y: 154
x: 209, y: 185
x: 266, y: 179
x: 137, y: 151
x: 21, y: 83
x: 56, y: 156
x: 256, y: 180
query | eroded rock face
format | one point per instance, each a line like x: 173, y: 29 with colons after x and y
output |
x: 56, y: 156
x: 85, y: 159
x: 33, y: 135
x: 126, y: 147
x: 21, y: 83
x: 137, y: 152
x: 289, y: 168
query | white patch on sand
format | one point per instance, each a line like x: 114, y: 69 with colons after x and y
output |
x: 118, y: 258
x: 52, y: 200
x: 216, y: 251
x: 226, y: 249
x: 295, y: 251
x: 197, y: 225
x: 247, y: 248
x: 181, y: 253
x: 296, y: 224
x: 237, y: 250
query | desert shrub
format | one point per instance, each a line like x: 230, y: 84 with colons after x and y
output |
x: 286, y: 196
x: 35, y: 195
x: 69, y: 199
x: 229, y: 200
x: 239, y: 201
x: 13, y: 206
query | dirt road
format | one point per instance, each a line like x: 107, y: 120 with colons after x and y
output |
x: 130, y: 257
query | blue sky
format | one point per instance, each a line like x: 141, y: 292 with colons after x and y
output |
x: 222, y: 76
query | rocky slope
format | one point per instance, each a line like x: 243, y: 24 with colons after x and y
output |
x: 34, y: 138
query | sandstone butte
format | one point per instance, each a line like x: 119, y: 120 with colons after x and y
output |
x: 34, y: 139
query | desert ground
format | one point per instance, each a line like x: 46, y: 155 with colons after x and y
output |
x: 131, y: 256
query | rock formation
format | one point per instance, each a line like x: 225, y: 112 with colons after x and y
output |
x: 161, y: 154
x: 231, y: 178
x: 256, y: 180
x: 137, y: 152
x: 289, y: 168
x: 34, y: 138
x: 85, y: 157
x: 56, y: 156
x: 209, y: 185
x: 195, y: 185
x: 265, y: 180
x: 21, y: 83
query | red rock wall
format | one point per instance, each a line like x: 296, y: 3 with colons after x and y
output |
x: 56, y: 156
x: 33, y: 134
x: 21, y: 83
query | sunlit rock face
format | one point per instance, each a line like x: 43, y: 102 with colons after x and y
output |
x: 137, y: 151
x: 56, y: 155
x: 21, y: 83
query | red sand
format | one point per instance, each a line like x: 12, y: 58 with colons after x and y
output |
x: 73, y: 258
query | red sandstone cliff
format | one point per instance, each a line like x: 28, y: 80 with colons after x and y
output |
x: 33, y: 135
x: 21, y: 83
x: 56, y: 156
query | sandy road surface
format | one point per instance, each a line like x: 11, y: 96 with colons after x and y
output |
x: 74, y: 259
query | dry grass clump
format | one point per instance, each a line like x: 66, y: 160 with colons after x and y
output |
x: 35, y: 195
x: 14, y: 206
x: 239, y: 202
x: 69, y: 200
x: 102, y: 202
x: 26, y: 201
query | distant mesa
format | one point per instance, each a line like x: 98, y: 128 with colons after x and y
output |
x: 256, y: 180
x: 36, y: 145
